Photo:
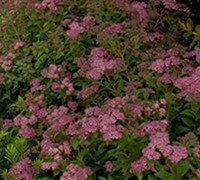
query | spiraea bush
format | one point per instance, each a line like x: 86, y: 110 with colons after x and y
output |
x: 98, y: 89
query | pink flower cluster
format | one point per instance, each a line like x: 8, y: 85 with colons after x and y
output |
x: 72, y: 105
x: 76, y: 28
x: 140, y: 166
x: 196, y: 53
x: 114, y: 28
x: 153, y: 36
x: 75, y: 172
x: 137, y: 10
x: 25, y: 123
x: 36, y: 85
x: 166, y: 78
x: 189, y: 85
x: 7, y: 123
x: 160, y: 65
x: 88, y: 91
x: 104, y: 120
x: 198, y: 172
x: 18, y: 44
x: 196, y: 152
x: 38, y: 109
x: 55, y: 151
x: 160, y: 143
x: 51, y: 4
x: 58, y: 118
x: 170, y: 4
x: 159, y: 146
x: 158, y: 106
x: 153, y: 127
x: 52, y: 72
x: 99, y: 62
x: 6, y: 61
x: 65, y: 84
x: 135, y: 110
x: 141, y: 9
x: 108, y: 166
x: 23, y: 170
x: 49, y: 165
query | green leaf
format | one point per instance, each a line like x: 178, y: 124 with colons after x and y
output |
x: 120, y: 85
x: 188, y: 121
x: 37, y: 162
x: 82, y: 154
x: 110, y: 177
x: 102, y: 178
x: 165, y: 176
x: 75, y: 143
x: 181, y: 129
x: 197, y: 29
x: 151, y: 178
x: 3, y: 133
x: 11, y: 154
x: 189, y: 24
x: 21, y: 145
x: 182, y: 168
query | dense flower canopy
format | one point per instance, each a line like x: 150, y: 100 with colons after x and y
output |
x: 95, y: 89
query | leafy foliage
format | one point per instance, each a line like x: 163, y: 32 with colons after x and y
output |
x: 82, y: 82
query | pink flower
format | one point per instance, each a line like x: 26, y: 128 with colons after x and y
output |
x: 23, y: 170
x: 88, y: 22
x: 156, y: 105
x: 150, y: 152
x: 158, y: 66
x: 75, y: 172
x: 88, y: 91
x: 75, y: 30
x: 162, y: 112
x: 90, y: 124
x: 99, y: 62
x: 163, y: 101
x: 51, y: 4
x: 36, y: 85
x: 114, y: 28
x: 112, y: 132
x: 166, y: 78
x: 141, y: 9
x: 178, y: 153
x: 49, y: 165
x: 27, y: 132
x: 116, y: 102
x: 96, y: 111
x: 66, y: 84
x: 153, y: 127
x: 153, y: 36
x: 108, y: 166
x: 72, y: 105
x: 196, y: 53
x: 7, y: 123
x: 140, y: 166
x: 55, y: 86
x: 189, y: 85
x: 170, y: 4
x: 196, y: 152
x: 198, y: 172
x: 52, y: 72
x: 160, y: 140
x: 18, y: 44
x: 66, y: 148
x: 66, y: 21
